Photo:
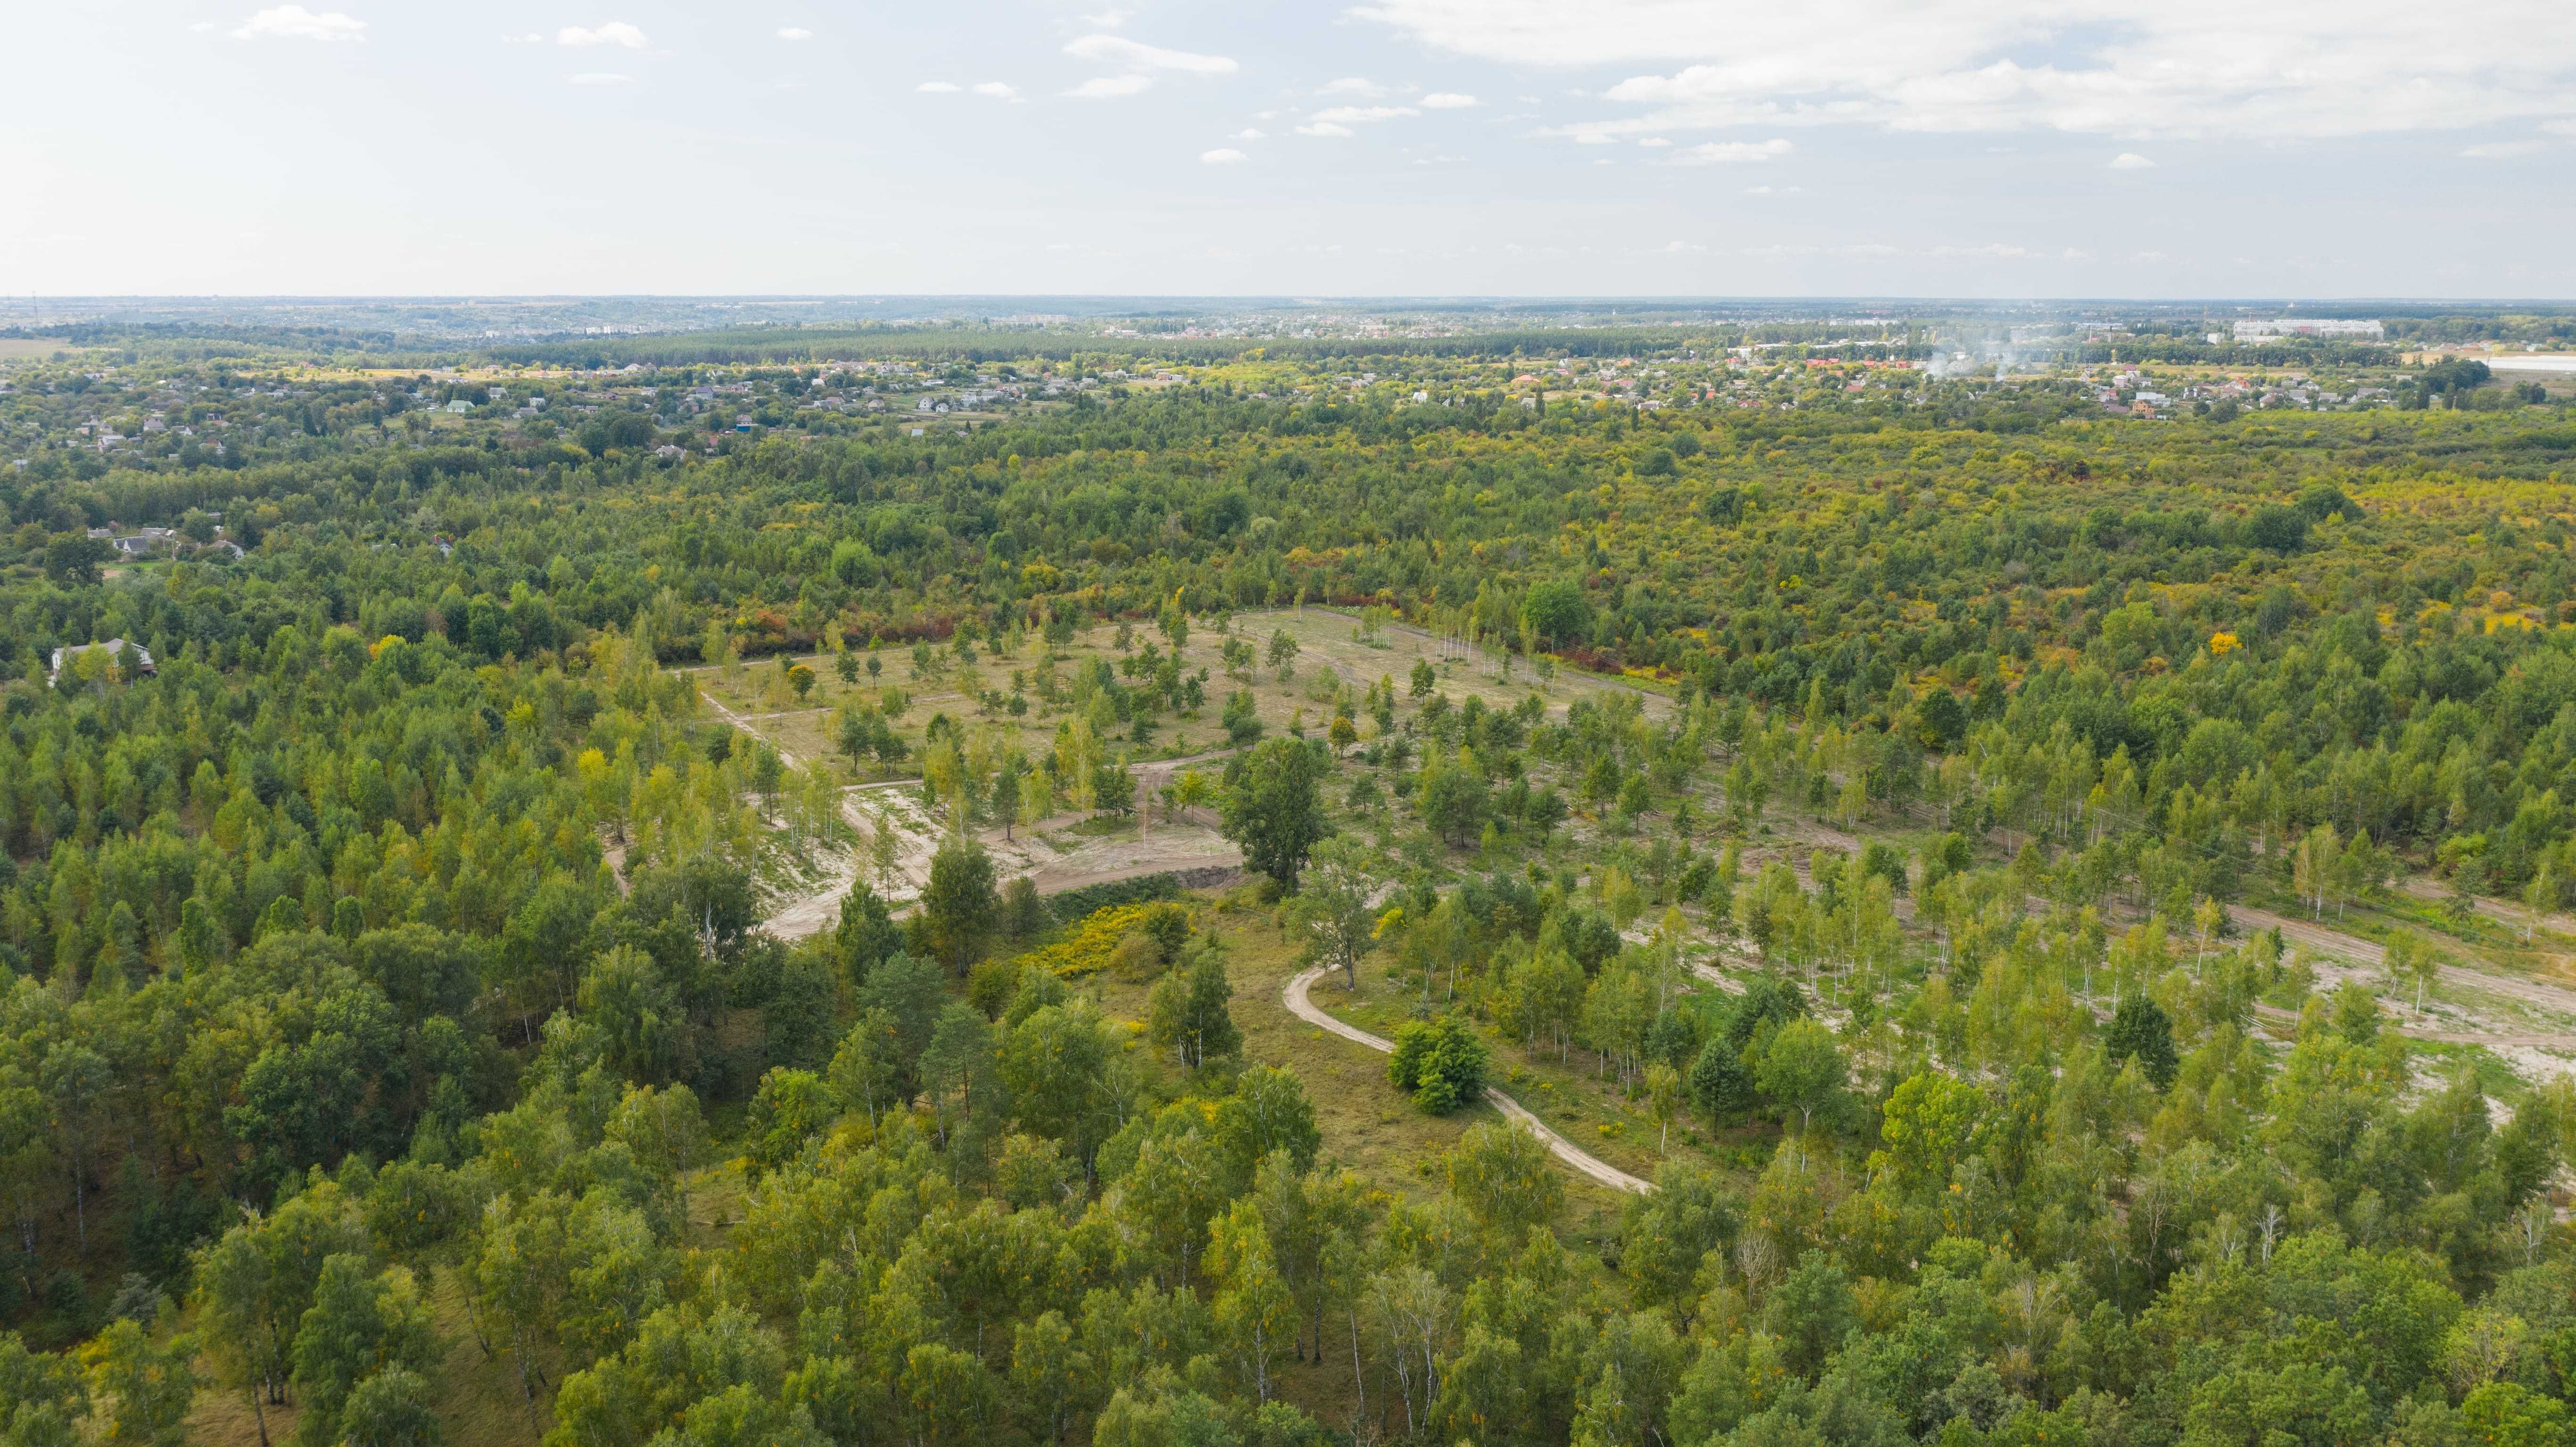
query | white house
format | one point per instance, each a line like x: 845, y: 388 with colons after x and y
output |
x: 142, y: 656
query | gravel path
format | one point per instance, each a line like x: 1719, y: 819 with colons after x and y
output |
x: 1294, y: 997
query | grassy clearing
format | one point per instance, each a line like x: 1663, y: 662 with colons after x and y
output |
x: 1591, y: 1111
x: 1366, y: 1125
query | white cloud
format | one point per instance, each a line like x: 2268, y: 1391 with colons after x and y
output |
x: 1682, y: 246
x: 1110, y: 87
x: 1352, y: 85
x: 1652, y: 142
x: 1879, y: 250
x: 1773, y: 190
x: 2503, y: 150
x: 2306, y: 69
x: 938, y: 87
x: 1325, y: 128
x: 795, y: 32
x: 1448, y: 100
x: 2560, y: 128
x: 999, y: 90
x: 2131, y: 161
x: 294, y: 22
x: 1118, y: 50
x: 1250, y: 133
x: 1224, y: 156
x: 1731, y: 153
x: 1109, y: 19
x: 602, y: 77
x: 614, y: 32
x: 1346, y: 115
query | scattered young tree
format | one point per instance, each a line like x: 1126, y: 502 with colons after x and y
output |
x: 149, y: 1388
x: 1335, y: 908
x: 1802, y: 1070
x: 1505, y: 1178
x: 1186, y: 1012
x: 1664, y: 1098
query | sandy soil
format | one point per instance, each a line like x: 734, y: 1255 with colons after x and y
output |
x: 2345, y: 956
x: 1052, y: 856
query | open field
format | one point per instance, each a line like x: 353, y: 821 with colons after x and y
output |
x: 1067, y: 852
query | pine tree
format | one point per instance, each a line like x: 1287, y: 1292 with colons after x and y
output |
x: 2141, y: 1029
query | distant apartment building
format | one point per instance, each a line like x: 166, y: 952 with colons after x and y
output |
x: 2309, y: 327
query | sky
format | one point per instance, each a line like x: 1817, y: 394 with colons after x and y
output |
x: 1965, y: 148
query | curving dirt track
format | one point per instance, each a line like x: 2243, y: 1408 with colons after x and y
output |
x: 1294, y: 997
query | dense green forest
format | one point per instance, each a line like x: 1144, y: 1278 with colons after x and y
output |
x: 390, y: 1013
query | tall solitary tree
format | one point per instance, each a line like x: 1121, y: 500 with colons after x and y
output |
x: 1273, y: 808
x: 959, y: 908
